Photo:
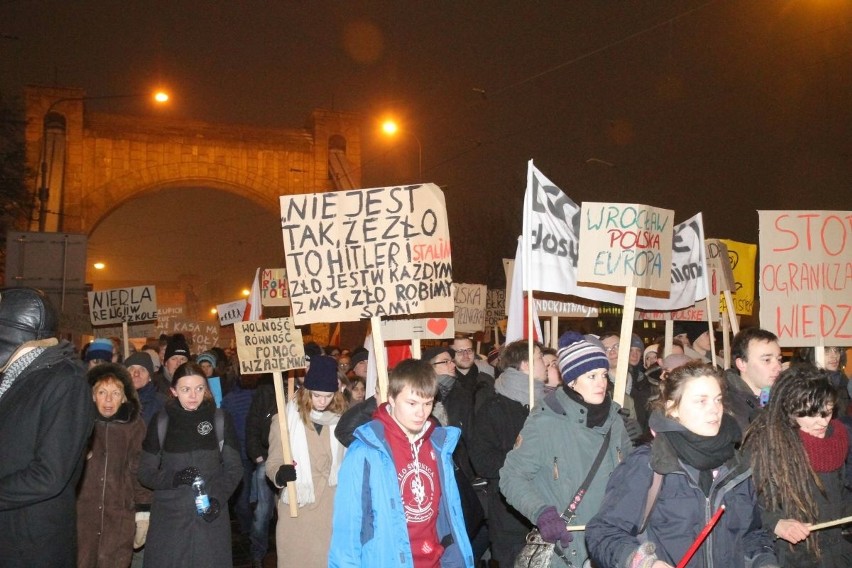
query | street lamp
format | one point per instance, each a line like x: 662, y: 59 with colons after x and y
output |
x: 44, y: 187
x: 391, y: 128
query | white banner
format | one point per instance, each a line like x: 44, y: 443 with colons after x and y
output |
x: 231, y: 312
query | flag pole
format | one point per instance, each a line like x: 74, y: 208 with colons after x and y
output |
x: 527, y: 267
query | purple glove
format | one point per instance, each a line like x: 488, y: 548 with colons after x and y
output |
x: 553, y: 528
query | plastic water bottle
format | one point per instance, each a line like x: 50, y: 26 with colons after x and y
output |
x: 202, y: 500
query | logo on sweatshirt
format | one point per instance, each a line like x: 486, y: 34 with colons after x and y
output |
x: 417, y: 486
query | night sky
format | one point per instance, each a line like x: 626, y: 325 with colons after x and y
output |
x: 723, y: 106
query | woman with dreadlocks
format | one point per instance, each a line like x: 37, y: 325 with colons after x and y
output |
x: 798, y: 454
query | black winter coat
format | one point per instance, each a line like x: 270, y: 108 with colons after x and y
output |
x: 46, y: 418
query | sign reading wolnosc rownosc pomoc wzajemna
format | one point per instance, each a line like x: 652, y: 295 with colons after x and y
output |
x: 269, y: 345
x: 806, y: 277
x: 120, y: 305
x: 358, y: 254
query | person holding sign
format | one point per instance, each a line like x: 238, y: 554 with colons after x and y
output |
x: 799, y: 454
x: 693, y: 456
x: 191, y: 449
x: 311, y: 419
x: 398, y: 503
x: 757, y: 363
x: 567, y: 449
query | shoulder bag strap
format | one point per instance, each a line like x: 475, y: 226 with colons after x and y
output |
x: 570, y: 511
x: 653, y: 491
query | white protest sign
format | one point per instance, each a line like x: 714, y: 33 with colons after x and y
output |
x: 273, y: 287
x: 398, y: 329
x: 470, y: 300
x: 550, y: 307
x: 120, y: 305
x: 625, y: 245
x: 231, y: 312
x: 366, y: 253
x: 495, y: 306
x: 269, y: 345
x: 806, y: 277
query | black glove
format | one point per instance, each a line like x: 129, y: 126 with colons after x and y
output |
x: 553, y: 528
x: 212, y: 511
x: 286, y: 473
x: 185, y: 476
x: 634, y: 430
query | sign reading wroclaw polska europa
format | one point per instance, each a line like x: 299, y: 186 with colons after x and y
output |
x: 120, y: 305
x: 626, y: 245
x: 353, y: 255
x: 269, y: 345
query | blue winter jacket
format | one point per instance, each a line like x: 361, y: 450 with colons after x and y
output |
x: 680, y: 512
x: 369, y: 527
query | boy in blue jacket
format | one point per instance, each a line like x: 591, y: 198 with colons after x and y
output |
x: 397, y: 502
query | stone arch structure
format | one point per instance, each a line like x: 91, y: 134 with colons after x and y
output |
x: 108, y: 159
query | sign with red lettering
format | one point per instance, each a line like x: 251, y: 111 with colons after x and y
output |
x: 358, y: 254
x: 806, y: 276
x: 626, y: 245
x: 273, y: 287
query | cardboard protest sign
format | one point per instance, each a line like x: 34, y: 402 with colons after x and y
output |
x: 270, y: 345
x: 123, y: 305
x: 231, y: 312
x: 273, y: 287
x: 806, y: 276
x: 365, y: 253
x: 716, y: 249
x: 165, y: 315
x: 742, y: 257
x: 437, y: 327
x: 495, y: 306
x: 625, y: 245
x: 201, y: 335
x: 469, y: 314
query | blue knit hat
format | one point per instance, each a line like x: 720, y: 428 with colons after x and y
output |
x: 578, y: 356
x: 100, y: 348
x: 322, y: 374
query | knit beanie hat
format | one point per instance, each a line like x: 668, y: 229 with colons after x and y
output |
x: 142, y: 359
x: 322, y: 374
x: 636, y: 341
x: 100, y: 348
x: 176, y: 346
x: 433, y: 352
x: 208, y: 356
x: 578, y: 356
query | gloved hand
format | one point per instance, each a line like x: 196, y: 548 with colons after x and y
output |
x: 185, y: 476
x: 644, y: 557
x: 634, y: 430
x: 285, y: 474
x: 212, y: 511
x: 553, y: 528
x: 141, y: 529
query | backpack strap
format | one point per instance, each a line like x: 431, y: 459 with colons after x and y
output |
x: 653, y: 492
x: 162, y: 426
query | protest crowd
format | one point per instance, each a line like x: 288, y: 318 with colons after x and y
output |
x: 707, y: 447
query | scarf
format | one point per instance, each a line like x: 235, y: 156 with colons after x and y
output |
x: 515, y: 385
x: 705, y: 453
x: 445, y: 385
x: 17, y: 367
x: 596, y: 414
x: 302, y: 457
x: 829, y: 453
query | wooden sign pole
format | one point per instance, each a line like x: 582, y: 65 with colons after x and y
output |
x: 381, y: 359
x: 125, y: 335
x: 729, y: 311
x: 624, y: 345
x: 278, y: 381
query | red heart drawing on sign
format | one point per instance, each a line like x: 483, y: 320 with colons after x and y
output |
x: 437, y: 326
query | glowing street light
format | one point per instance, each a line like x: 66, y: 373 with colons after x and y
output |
x: 391, y: 128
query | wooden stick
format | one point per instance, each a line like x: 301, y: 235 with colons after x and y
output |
x: 833, y: 523
x: 125, y: 332
x: 619, y: 392
x: 574, y: 528
x: 554, y: 331
x: 729, y: 309
x: 381, y: 359
x: 416, y: 350
x: 278, y: 381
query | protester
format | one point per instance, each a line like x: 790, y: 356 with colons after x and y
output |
x: 757, y: 363
x: 558, y: 446
x: 317, y: 455
x: 263, y: 408
x: 552, y: 379
x: 112, y: 506
x: 100, y: 351
x: 357, y: 390
x: 397, y: 505
x: 237, y: 403
x: 141, y: 369
x: 198, y: 441
x: 46, y: 418
x: 834, y: 357
x: 468, y: 372
x: 498, y: 422
x: 175, y: 354
x: 694, y: 452
x: 638, y: 389
x: 651, y: 356
x: 799, y: 455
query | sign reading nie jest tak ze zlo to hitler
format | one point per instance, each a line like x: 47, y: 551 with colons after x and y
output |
x: 357, y: 254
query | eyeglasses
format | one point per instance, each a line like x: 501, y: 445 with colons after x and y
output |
x: 436, y: 363
x: 343, y: 365
x: 464, y: 351
x: 611, y: 348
